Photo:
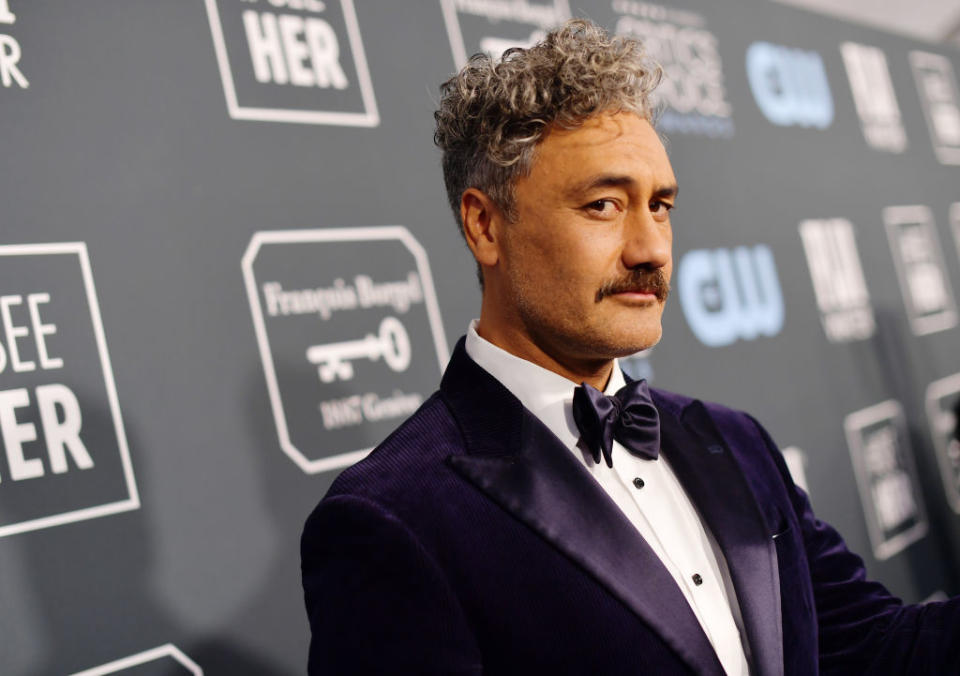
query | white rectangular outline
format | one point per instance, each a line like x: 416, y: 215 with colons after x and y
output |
x: 919, y: 60
x: 360, y: 234
x: 152, y: 655
x: 851, y: 52
x: 452, y: 23
x: 955, y: 225
x: 899, y: 215
x: 937, y: 390
x: 853, y: 424
x: 369, y: 118
x: 133, y: 501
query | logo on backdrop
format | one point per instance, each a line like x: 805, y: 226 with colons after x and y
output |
x: 172, y: 659
x: 955, y: 224
x: 886, y: 477
x: 64, y: 453
x: 943, y: 400
x: 874, y: 98
x: 920, y: 267
x: 728, y: 295
x: 838, y: 282
x: 293, y: 61
x: 493, y: 26
x: 638, y: 365
x: 790, y: 85
x: 796, y: 459
x: 350, y: 336
x: 941, y: 103
x: 10, y: 52
x: 692, y: 92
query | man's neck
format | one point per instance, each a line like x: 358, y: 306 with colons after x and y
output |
x: 593, y: 372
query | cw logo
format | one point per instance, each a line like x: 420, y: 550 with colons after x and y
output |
x: 728, y: 295
x: 790, y: 85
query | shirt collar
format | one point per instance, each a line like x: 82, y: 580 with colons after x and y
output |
x: 548, y: 395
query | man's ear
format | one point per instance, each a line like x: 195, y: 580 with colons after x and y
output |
x: 482, y: 223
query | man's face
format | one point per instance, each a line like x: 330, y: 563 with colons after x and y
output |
x: 587, y: 263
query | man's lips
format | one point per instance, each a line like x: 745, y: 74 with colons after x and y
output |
x: 635, y: 294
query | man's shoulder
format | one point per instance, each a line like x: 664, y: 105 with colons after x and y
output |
x: 411, y: 456
x: 678, y: 404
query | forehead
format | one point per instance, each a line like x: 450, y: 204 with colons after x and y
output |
x: 621, y: 142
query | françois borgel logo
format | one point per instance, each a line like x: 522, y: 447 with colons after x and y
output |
x: 886, y: 477
x: 838, y: 282
x: 10, y: 52
x: 350, y: 336
x: 64, y: 451
x: 790, y: 85
x: 293, y: 61
x: 493, y: 26
x: 692, y: 92
x: 941, y: 103
x: 728, y: 295
x: 920, y: 267
x: 874, y: 98
x: 943, y: 407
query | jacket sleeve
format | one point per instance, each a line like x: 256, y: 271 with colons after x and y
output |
x: 376, y: 600
x: 863, y: 628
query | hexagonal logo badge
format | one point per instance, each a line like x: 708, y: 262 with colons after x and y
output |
x: 350, y: 336
x: 494, y: 27
x: 165, y: 660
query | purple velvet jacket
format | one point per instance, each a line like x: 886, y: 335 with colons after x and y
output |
x: 472, y: 542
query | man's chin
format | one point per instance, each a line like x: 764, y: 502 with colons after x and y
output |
x: 632, y: 344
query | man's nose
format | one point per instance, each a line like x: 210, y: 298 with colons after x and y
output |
x: 648, y: 242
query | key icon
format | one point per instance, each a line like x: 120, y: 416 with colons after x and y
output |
x: 333, y: 360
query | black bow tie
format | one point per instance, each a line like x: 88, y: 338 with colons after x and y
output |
x: 629, y: 416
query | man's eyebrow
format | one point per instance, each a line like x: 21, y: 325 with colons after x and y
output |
x: 620, y: 181
x: 667, y: 191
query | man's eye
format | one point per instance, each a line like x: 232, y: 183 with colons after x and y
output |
x: 602, y: 206
x: 659, y: 205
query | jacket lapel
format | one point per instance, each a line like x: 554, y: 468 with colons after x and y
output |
x: 716, y: 484
x: 520, y: 465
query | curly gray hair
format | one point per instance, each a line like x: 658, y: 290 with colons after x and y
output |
x: 493, y: 113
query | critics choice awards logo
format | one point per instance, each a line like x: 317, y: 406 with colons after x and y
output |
x: 942, y: 400
x: 941, y: 103
x: 493, y: 26
x: 873, y: 96
x: 886, y: 477
x: 692, y: 94
x: 292, y: 61
x: 842, y: 297
x: 64, y: 453
x: 730, y: 294
x: 349, y: 333
x: 920, y: 268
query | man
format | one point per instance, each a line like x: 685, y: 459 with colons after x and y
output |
x: 522, y: 522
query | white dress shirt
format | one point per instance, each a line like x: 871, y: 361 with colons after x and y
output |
x: 656, y: 505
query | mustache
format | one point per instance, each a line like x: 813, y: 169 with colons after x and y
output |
x: 638, y: 280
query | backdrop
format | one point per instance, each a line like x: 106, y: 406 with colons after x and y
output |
x: 227, y: 269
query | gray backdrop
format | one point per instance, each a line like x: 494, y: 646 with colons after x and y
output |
x: 227, y: 269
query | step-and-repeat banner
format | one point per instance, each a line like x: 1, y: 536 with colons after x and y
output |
x: 228, y: 269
